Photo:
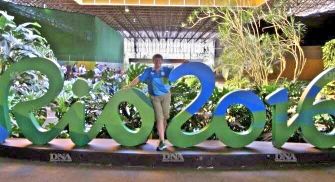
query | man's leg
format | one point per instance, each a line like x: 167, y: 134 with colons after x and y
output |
x: 161, y: 130
x: 156, y: 102
x: 166, y: 108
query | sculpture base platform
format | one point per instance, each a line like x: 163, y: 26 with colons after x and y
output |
x: 209, y: 154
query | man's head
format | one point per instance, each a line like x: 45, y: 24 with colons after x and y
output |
x: 157, y: 59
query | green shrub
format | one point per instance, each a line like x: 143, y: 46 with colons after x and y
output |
x: 328, y: 51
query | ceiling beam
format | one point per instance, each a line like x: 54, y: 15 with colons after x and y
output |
x: 131, y: 24
x: 181, y: 28
x: 201, y: 26
x: 177, y: 34
x: 209, y: 36
x: 107, y: 19
x: 210, y: 27
x: 152, y: 26
x: 189, y: 29
x: 142, y: 24
x: 124, y: 27
x: 167, y: 25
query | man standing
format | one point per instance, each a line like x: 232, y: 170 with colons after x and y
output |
x: 156, y: 78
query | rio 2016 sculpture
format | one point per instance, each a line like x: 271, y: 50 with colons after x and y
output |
x: 283, y: 127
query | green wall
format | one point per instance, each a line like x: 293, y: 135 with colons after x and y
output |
x: 72, y: 36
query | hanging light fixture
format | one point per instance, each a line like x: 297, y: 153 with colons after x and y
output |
x: 126, y: 9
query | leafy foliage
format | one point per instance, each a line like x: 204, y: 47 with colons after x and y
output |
x: 324, y: 122
x: 256, y: 40
x: 135, y: 70
x: 28, y: 86
x: 328, y: 51
x: 183, y: 92
x: 239, y: 118
x: 295, y: 90
x: 24, y: 40
x: 18, y: 41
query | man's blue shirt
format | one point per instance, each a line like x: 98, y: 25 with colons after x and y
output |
x: 157, y: 81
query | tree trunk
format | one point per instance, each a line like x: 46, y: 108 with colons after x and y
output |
x: 3, y: 67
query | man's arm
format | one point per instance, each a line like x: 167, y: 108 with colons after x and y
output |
x: 141, y: 78
x: 132, y: 83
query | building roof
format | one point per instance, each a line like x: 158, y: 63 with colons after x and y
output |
x: 312, y: 7
x: 161, y: 22
x: 140, y: 22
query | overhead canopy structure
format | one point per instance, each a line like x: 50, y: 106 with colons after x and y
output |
x: 162, y: 19
x: 189, y: 3
x: 142, y: 19
x: 310, y: 7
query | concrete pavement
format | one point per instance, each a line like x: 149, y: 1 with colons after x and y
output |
x: 22, y: 170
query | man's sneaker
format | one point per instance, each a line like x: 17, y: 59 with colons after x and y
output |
x: 161, y: 146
